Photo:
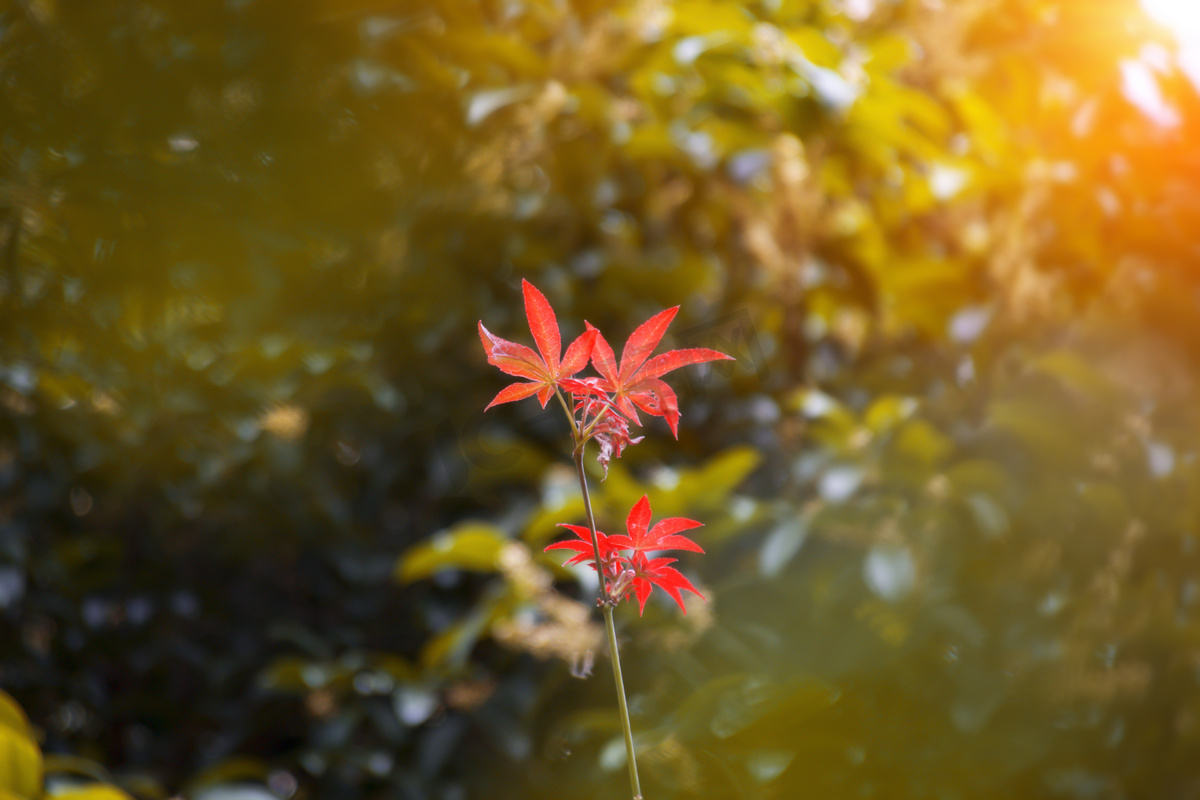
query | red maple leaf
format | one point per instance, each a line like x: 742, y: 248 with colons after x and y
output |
x: 583, y: 545
x: 635, y: 382
x: 546, y: 371
x: 651, y: 572
x: 663, y: 536
x: 637, y: 572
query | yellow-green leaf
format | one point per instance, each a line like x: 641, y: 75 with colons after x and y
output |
x: 95, y: 791
x: 20, y: 757
x: 11, y: 716
x: 231, y: 770
x: 74, y: 765
x: 471, y: 546
x: 886, y: 412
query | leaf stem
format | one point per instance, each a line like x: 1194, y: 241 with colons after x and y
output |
x: 607, y: 603
x: 587, y: 506
x: 570, y: 416
x: 587, y: 432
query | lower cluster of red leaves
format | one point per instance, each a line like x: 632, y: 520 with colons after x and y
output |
x: 625, y: 560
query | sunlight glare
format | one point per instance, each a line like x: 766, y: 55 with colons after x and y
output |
x: 1181, y: 17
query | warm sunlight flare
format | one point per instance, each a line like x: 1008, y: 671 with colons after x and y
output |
x: 1182, y: 17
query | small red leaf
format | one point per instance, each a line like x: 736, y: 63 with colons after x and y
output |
x: 666, y: 536
x: 658, y: 399
x: 638, y: 520
x: 578, y: 354
x: 635, y: 383
x: 626, y: 407
x: 545, y: 370
x: 487, y: 338
x: 588, y: 387
x: 663, y: 536
x: 542, y: 324
x: 670, y: 580
x: 602, y: 356
x: 509, y: 394
x: 641, y: 342
x: 583, y: 545
x: 674, y: 359
x: 642, y: 589
x: 510, y: 357
x: 519, y: 369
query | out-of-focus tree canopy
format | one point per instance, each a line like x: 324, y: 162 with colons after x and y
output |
x: 257, y: 536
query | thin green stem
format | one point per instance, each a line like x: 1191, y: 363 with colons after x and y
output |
x: 607, y: 604
x: 587, y: 507
x: 631, y: 760
x: 587, y: 432
x: 570, y: 416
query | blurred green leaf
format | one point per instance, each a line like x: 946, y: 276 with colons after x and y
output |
x: 471, y: 546
x: 20, y: 757
x: 91, y: 792
x: 74, y: 765
x: 229, y: 771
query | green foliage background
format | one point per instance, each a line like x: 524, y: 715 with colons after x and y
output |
x: 257, y: 538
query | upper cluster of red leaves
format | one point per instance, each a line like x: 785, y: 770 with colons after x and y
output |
x: 634, y: 384
x: 635, y: 571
